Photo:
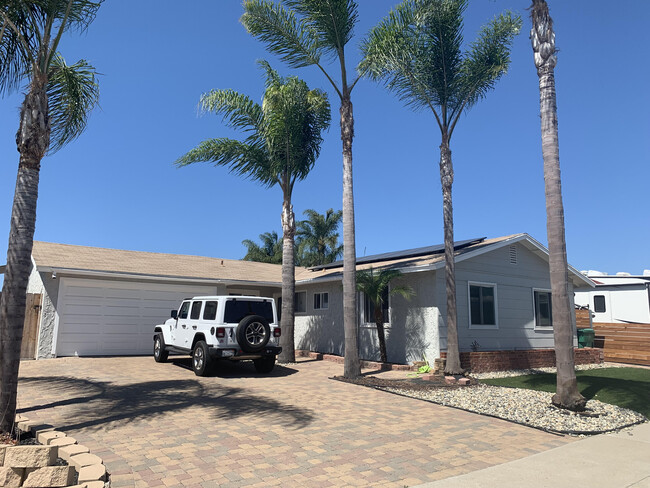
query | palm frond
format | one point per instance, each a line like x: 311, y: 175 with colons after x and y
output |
x: 15, y: 43
x: 374, y: 283
x: 77, y: 14
x: 332, y: 20
x: 238, y: 111
x: 488, y: 58
x: 285, y: 35
x: 72, y: 92
x: 241, y: 159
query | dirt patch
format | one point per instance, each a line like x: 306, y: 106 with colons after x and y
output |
x: 414, y: 384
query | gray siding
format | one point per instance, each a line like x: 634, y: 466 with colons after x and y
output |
x: 515, y: 310
x: 321, y: 330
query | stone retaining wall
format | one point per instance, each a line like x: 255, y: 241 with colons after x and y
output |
x: 34, y: 466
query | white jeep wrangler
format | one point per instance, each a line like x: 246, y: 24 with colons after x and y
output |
x: 221, y: 327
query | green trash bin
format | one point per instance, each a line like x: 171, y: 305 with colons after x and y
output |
x: 586, y: 338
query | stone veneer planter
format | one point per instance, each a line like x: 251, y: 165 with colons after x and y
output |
x: 33, y: 466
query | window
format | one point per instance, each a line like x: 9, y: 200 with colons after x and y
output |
x: 599, y: 304
x: 238, y: 309
x: 185, y: 308
x: 210, y: 312
x: 300, y: 302
x: 321, y: 301
x: 369, y: 308
x: 543, y: 308
x: 482, y: 304
x: 196, y: 310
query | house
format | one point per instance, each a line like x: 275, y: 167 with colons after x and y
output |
x: 105, y: 302
x: 620, y: 298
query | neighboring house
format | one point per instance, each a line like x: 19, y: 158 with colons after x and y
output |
x: 620, y: 298
x: 105, y: 302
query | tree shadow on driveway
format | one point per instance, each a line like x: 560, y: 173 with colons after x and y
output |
x: 98, y: 404
x: 232, y: 369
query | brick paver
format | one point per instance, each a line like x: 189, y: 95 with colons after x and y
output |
x: 159, y: 425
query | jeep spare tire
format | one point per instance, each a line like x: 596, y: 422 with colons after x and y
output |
x: 253, y: 333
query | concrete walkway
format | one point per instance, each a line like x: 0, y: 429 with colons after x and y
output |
x: 159, y: 425
x: 620, y: 460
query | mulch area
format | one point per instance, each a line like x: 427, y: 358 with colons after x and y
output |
x: 414, y: 384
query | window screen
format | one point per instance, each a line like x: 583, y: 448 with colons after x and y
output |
x: 599, y: 304
x: 543, y: 309
x: 300, y: 301
x: 482, y: 306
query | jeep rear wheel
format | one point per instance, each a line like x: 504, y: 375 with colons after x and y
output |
x: 253, y: 333
x: 200, y: 359
x: 160, y: 354
x: 264, y: 365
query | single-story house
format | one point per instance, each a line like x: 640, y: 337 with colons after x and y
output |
x: 616, y: 299
x: 105, y: 302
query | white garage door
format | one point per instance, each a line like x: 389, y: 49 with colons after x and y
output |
x: 103, y: 318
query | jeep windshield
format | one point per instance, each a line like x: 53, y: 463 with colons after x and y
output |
x: 236, y: 310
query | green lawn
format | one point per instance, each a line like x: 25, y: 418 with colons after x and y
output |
x: 625, y: 387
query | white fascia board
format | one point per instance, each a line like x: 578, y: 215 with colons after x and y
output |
x: 86, y: 273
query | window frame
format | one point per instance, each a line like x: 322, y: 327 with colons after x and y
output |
x: 537, y: 326
x: 320, y: 295
x: 368, y: 321
x: 482, y: 284
x: 295, y: 302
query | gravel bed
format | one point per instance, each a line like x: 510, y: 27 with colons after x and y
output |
x: 522, y: 372
x: 527, y: 407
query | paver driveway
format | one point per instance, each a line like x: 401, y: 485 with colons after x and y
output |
x: 159, y: 425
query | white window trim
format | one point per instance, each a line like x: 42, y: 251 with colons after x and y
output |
x: 294, y: 306
x: 469, y: 306
x: 540, y: 327
x: 362, y: 312
x: 321, y: 293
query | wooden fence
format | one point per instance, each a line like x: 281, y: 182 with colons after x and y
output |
x: 624, y: 343
x: 31, y: 326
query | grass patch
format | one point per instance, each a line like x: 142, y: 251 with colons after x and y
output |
x: 625, y: 387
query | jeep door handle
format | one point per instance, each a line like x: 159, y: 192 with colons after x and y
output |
x: 194, y: 327
x: 184, y: 326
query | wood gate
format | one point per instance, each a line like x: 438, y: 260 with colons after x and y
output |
x: 31, y: 326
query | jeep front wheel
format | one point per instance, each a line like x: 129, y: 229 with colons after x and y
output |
x: 160, y: 354
x: 253, y: 333
x: 200, y: 359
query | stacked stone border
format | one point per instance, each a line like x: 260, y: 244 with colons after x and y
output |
x: 34, y: 465
x: 486, y: 361
x: 480, y: 361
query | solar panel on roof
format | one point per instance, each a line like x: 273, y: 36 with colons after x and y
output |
x: 408, y: 253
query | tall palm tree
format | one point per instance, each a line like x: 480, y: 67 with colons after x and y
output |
x: 306, y: 34
x: 416, y: 51
x: 543, y: 41
x: 283, y: 143
x: 375, y: 287
x: 269, y: 252
x: 57, y: 102
x: 319, y: 238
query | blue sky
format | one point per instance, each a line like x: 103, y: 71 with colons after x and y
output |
x: 116, y: 186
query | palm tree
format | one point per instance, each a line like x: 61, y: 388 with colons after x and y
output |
x: 55, y: 110
x: 306, y: 34
x: 417, y: 53
x: 269, y: 252
x: 543, y: 40
x: 319, y: 238
x: 283, y: 143
x: 375, y: 288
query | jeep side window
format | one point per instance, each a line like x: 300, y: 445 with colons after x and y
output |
x: 210, y: 312
x: 196, y: 311
x: 182, y: 314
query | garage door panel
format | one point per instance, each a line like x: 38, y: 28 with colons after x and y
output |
x: 101, y: 317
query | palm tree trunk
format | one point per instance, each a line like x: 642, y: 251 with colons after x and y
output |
x: 543, y: 39
x: 288, y: 354
x: 32, y: 139
x: 452, y: 365
x: 352, y: 364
